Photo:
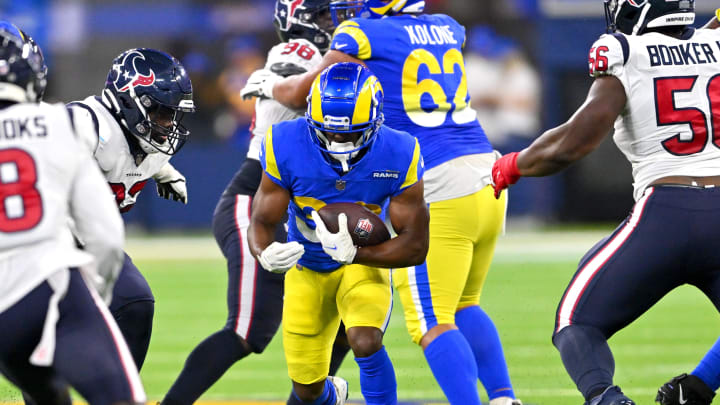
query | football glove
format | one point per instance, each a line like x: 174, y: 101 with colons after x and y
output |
x: 259, y: 84
x: 505, y: 172
x: 171, y: 184
x: 685, y: 390
x: 338, y: 245
x: 280, y: 257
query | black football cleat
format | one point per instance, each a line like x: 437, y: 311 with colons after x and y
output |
x: 611, y: 396
x: 685, y: 390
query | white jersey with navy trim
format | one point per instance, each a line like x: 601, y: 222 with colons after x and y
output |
x: 298, y: 52
x: 112, y: 151
x: 673, y: 92
x: 46, y: 176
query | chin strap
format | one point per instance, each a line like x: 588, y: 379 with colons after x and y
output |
x: 343, y: 158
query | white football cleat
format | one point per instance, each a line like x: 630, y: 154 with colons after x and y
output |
x: 341, y: 389
x: 505, y: 401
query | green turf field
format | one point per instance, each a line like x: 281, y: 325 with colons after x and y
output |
x: 526, y: 281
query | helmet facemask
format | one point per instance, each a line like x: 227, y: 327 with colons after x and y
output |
x: 611, y: 7
x: 344, y: 113
x: 161, y: 130
x: 344, y: 142
x: 343, y: 10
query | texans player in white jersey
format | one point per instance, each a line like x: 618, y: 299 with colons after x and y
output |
x: 254, y: 295
x: 57, y: 331
x: 656, y: 81
x: 133, y: 129
x: 698, y: 387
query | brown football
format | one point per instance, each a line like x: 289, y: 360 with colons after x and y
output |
x: 366, y: 228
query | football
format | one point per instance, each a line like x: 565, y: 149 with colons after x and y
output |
x: 366, y: 228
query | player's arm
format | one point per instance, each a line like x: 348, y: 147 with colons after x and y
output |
x: 268, y: 207
x: 410, y: 219
x: 293, y: 91
x: 98, y: 223
x: 592, y: 122
x: 559, y: 147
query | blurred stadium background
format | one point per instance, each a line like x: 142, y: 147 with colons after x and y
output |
x: 535, y: 49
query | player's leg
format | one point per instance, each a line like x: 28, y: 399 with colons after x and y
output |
x: 616, y: 282
x: 310, y: 322
x: 91, y: 353
x: 339, y: 350
x: 474, y: 323
x: 364, y: 299
x: 22, y: 324
x: 254, y: 301
x: 430, y: 295
x: 133, y: 307
x: 699, y: 386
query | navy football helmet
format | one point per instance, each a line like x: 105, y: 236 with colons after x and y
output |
x: 634, y: 17
x: 344, y: 112
x: 342, y: 10
x: 25, y: 38
x: 22, y: 67
x: 307, y: 19
x: 149, y: 91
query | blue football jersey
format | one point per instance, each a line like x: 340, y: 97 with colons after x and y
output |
x: 419, y: 62
x: 291, y: 159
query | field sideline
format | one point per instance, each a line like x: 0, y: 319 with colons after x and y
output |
x: 529, y: 274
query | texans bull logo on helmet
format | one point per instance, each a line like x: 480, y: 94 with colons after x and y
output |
x: 285, y: 10
x: 129, y: 72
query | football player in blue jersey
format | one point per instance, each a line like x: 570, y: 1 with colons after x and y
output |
x: 337, y: 154
x: 418, y: 59
x: 254, y: 296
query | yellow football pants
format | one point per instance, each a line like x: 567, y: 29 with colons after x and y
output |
x: 314, y: 304
x: 463, y: 232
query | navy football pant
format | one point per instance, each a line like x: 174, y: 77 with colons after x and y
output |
x: 90, y: 354
x: 133, y: 307
x: 671, y: 238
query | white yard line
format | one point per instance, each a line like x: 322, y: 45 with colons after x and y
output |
x: 513, y: 247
